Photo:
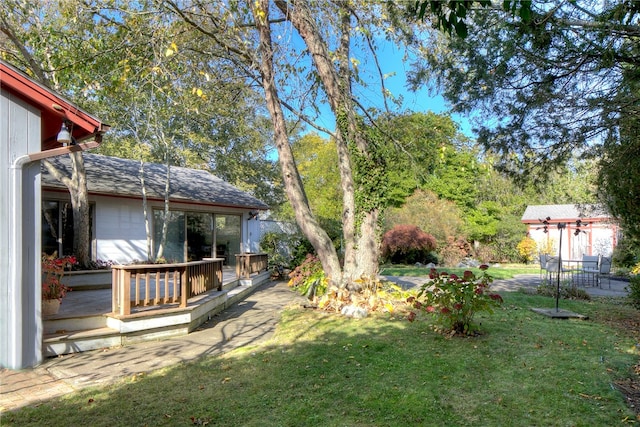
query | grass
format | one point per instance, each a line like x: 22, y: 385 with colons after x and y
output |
x: 507, y: 271
x: 323, y: 369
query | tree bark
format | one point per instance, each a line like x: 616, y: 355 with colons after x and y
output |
x: 361, y: 246
x: 77, y: 185
x: 292, y: 182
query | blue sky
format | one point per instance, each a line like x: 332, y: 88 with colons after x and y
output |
x: 391, y: 61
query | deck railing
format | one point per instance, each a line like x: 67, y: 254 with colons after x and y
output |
x: 249, y: 263
x: 148, y: 285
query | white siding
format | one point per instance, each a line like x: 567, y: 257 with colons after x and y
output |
x: 20, y: 322
x: 120, y: 230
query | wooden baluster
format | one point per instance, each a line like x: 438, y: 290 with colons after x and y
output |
x: 167, y: 298
x: 184, y: 287
x: 125, y: 295
x: 115, y: 287
x: 147, y: 286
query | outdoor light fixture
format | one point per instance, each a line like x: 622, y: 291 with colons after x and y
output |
x: 64, y: 136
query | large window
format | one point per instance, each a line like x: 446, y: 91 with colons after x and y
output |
x: 191, y: 236
x: 174, y: 247
x: 228, y: 237
x: 57, y: 227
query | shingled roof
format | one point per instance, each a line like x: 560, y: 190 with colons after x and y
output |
x: 535, y: 213
x: 120, y: 177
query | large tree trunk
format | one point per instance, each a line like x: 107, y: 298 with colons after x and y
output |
x: 292, y: 182
x: 361, y: 246
x: 77, y: 185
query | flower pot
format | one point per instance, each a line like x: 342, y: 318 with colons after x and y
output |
x: 50, y: 306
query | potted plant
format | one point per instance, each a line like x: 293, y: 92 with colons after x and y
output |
x: 53, y: 290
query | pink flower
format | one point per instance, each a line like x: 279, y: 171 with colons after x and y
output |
x: 417, y: 304
x: 457, y: 306
x: 454, y: 276
x: 479, y: 290
x: 411, y: 317
x: 468, y: 275
x: 484, y: 267
x: 430, y: 309
x: 445, y: 310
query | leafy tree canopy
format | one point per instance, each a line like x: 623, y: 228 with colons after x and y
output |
x: 544, y: 88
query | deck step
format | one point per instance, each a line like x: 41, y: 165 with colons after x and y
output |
x: 62, y: 325
x: 78, y: 341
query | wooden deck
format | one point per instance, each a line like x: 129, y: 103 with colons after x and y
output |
x: 88, y: 302
x: 85, y: 320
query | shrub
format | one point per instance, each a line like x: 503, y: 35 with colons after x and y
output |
x: 275, y: 246
x: 454, y: 251
x: 455, y: 300
x: 634, y: 291
x: 308, y: 278
x: 625, y: 254
x: 407, y: 244
x: 486, y: 253
x: 566, y: 291
x: 527, y: 249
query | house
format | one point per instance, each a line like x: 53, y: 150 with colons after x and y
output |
x: 208, y: 216
x: 32, y: 118
x: 589, y: 229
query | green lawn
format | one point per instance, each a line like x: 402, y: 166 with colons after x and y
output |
x: 324, y: 369
x: 506, y: 271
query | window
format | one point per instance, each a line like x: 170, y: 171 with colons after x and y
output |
x: 57, y: 227
x: 191, y: 236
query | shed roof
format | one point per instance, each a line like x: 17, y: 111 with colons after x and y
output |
x: 121, y: 177
x: 561, y: 213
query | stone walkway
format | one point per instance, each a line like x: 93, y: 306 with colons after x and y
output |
x: 248, y: 323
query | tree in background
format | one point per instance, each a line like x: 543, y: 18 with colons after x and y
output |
x: 32, y: 37
x: 317, y: 162
x: 424, y: 209
x: 545, y: 84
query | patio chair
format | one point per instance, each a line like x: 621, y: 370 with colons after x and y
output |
x: 553, y: 267
x: 604, y: 271
x: 590, y: 267
x: 542, y: 259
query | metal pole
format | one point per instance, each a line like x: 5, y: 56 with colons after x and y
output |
x: 561, y: 226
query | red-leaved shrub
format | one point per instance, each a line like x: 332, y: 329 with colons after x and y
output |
x: 407, y: 244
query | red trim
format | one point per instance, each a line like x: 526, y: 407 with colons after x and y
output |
x: 53, y: 107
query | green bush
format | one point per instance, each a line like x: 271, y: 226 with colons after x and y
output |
x: 308, y: 278
x: 634, y: 291
x: 285, y: 251
x: 625, y: 254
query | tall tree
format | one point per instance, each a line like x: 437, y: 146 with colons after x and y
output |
x: 29, y: 32
x: 544, y: 88
x: 304, y: 53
